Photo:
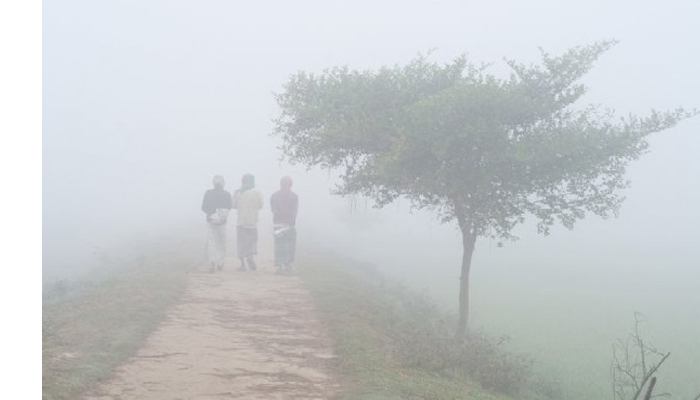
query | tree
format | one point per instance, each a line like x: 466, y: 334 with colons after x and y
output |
x: 483, y: 151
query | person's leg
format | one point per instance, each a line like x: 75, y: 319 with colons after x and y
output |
x: 291, y: 247
x: 286, y: 249
x: 211, y: 246
x: 279, y: 261
x: 219, y: 246
x: 222, y: 247
x: 251, y: 263
x: 240, y: 246
x: 276, y: 246
x: 253, y: 248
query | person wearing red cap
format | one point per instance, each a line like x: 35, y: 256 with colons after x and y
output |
x: 284, y: 205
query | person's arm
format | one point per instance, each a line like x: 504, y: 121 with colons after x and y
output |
x: 206, y: 206
x: 273, y: 204
x: 295, y: 209
x: 260, y: 200
x: 234, y: 203
x: 229, y: 201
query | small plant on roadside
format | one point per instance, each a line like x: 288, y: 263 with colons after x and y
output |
x: 634, y: 366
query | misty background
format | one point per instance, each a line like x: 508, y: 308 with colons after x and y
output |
x: 143, y: 102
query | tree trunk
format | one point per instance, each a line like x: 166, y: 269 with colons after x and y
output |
x: 468, y: 242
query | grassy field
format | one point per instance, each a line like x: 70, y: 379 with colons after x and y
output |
x: 89, y: 327
x: 92, y: 326
x: 392, y: 343
x: 568, y: 315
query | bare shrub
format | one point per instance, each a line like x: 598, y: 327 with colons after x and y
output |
x: 634, y: 365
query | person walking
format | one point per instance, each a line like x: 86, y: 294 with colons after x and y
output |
x: 284, y: 205
x: 216, y: 205
x: 248, y: 202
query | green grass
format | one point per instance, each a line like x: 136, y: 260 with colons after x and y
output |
x: 91, y: 327
x: 569, y: 315
x: 390, y: 342
x: 382, y: 338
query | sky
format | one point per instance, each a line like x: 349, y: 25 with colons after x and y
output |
x: 143, y: 102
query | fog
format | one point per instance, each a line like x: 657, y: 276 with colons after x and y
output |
x: 143, y: 102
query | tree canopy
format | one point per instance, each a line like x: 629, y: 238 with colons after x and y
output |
x: 468, y: 145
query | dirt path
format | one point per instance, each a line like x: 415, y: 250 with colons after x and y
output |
x: 240, y: 335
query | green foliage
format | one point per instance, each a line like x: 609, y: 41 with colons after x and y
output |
x: 466, y: 144
x: 392, y: 342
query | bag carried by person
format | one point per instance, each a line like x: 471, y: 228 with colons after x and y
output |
x: 281, y: 230
x: 220, y: 216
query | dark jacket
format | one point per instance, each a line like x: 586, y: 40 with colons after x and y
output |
x: 216, y: 198
x: 284, y: 205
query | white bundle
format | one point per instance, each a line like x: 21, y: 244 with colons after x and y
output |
x: 220, y: 216
x: 281, y: 229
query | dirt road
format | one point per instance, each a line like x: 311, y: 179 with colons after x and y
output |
x: 234, y: 335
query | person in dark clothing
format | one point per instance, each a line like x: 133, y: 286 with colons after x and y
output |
x: 216, y: 205
x: 284, y: 205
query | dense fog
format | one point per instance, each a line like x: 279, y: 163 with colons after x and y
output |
x: 143, y: 102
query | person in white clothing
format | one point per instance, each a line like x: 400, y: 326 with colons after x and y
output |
x: 248, y: 201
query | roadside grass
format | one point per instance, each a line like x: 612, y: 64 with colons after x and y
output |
x: 92, y: 326
x: 392, y: 343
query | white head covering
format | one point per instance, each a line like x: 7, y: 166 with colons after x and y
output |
x: 218, y: 181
